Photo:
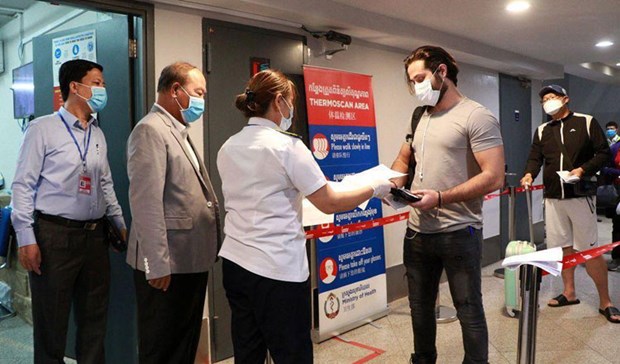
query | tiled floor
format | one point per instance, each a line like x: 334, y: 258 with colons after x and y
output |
x: 569, y: 335
x: 573, y: 334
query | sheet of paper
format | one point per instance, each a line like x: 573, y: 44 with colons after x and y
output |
x: 566, y: 178
x: 379, y: 172
x: 313, y: 216
x: 548, y: 260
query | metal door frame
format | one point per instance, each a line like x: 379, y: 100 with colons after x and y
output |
x: 144, y: 11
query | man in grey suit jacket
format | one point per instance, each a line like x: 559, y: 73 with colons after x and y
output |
x: 175, y: 229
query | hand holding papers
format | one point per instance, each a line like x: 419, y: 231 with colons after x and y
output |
x: 566, y: 178
x: 548, y: 260
x: 312, y: 215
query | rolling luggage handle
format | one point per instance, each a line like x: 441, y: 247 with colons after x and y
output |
x: 530, y: 285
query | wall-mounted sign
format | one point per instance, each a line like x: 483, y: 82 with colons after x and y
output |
x: 81, y: 45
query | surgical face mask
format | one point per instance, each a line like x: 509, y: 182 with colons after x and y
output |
x: 425, y: 93
x: 552, y: 106
x: 611, y: 133
x: 98, y: 98
x: 195, y: 108
x: 285, y: 123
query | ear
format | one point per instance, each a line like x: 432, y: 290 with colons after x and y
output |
x: 73, y: 87
x: 443, y: 70
x: 276, y: 102
x: 174, y: 89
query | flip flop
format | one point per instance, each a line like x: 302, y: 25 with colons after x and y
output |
x: 563, y: 301
x: 610, y: 311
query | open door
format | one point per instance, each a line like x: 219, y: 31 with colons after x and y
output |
x: 112, y: 52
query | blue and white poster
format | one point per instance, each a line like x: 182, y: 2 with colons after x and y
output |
x: 343, y: 138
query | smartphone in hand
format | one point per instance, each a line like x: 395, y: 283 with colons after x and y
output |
x: 406, y: 195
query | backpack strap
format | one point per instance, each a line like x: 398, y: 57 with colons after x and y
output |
x: 415, y: 120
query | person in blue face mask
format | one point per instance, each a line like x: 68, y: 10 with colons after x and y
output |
x: 611, y: 133
x: 175, y: 228
x: 61, y: 192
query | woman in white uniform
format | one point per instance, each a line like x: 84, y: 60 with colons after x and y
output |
x: 265, y: 174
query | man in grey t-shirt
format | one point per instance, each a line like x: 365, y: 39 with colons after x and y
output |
x: 459, y: 158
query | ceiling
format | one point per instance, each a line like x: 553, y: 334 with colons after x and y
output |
x: 10, y: 8
x: 544, y: 42
x: 550, y: 38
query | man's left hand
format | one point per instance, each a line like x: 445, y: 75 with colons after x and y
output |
x: 579, y: 172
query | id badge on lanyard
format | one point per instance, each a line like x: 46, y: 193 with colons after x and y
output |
x: 85, y: 179
x: 85, y: 184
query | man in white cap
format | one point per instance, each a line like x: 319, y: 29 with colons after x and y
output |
x: 574, y: 143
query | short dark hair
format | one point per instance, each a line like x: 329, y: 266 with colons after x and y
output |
x: 176, y: 72
x: 611, y: 123
x: 74, y: 71
x: 433, y: 56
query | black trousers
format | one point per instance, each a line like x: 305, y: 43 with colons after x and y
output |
x: 75, y: 269
x: 268, y: 315
x: 169, y: 322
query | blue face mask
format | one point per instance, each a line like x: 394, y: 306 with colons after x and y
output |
x: 194, y: 110
x: 286, y: 123
x: 98, y: 99
x: 611, y: 133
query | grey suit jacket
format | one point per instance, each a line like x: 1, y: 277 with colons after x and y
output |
x: 175, y: 221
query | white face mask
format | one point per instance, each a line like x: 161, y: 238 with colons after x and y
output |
x: 425, y: 93
x: 285, y: 123
x: 553, y: 106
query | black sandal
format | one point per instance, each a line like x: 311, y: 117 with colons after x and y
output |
x: 609, y: 312
x: 563, y: 301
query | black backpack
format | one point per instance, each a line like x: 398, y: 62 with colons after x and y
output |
x: 415, y: 120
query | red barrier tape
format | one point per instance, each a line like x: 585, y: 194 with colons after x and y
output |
x: 575, y: 259
x: 331, y: 229
x: 375, y: 351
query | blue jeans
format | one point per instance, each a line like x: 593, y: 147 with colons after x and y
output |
x: 425, y: 256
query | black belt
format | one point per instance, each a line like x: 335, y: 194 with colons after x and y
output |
x: 86, y: 225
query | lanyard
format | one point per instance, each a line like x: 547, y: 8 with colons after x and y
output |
x: 86, y: 142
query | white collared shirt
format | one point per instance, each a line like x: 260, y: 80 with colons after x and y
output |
x: 265, y: 174
x: 184, y: 130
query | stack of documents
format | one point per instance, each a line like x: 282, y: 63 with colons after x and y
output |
x: 313, y: 216
x: 549, y: 260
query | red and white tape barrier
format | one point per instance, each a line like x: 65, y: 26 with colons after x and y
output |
x: 331, y: 229
x: 575, y: 259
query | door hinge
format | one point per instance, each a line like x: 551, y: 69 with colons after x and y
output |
x: 133, y: 48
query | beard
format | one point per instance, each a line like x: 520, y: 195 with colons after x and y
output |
x: 442, y: 92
